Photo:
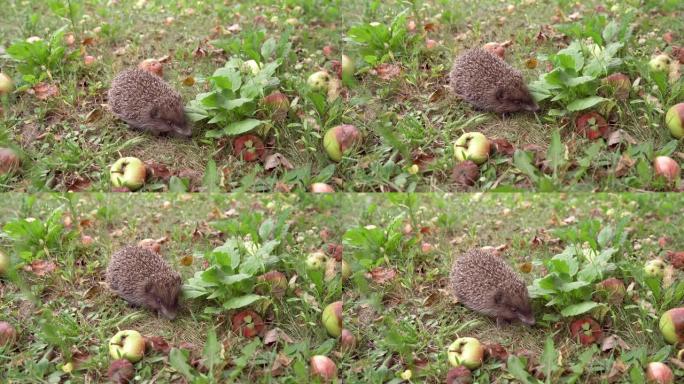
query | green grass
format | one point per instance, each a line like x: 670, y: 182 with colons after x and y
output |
x: 68, y: 141
x: 403, y: 323
x: 69, y: 314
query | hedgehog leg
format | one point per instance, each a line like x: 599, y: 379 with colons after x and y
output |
x: 501, y: 322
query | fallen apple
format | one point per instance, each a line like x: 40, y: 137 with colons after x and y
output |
x: 618, y: 85
x: 466, y: 351
x: 340, y: 140
x: 672, y: 325
x: 152, y: 66
x: 319, y: 81
x: 321, y: 188
x: 472, y: 146
x: 675, y: 120
x: 465, y: 174
x: 323, y: 367
x: 9, y: 161
x: 611, y: 290
x: 666, y: 168
x: 121, y: 371
x: 87, y: 241
x: 128, y: 172
x: 659, y: 373
x: 248, y: 323
x: 278, y: 105
x: 660, y: 63
x: 459, y: 375
x: 348, y: 67
x: 406, y: 375
x: 316, y: 260
x: 7, y: 334
x: 127, y: 344
x: 591, y: 125
x: 347, y: 341
x: 655, y: 268
x: 345, y: 270
x: 495, y: 48
x: 248, y: 147
x: 586, y: 330
x: 6, y: 84
x: 332, y: 318
x: 275, y: 281
x: 4, y: 263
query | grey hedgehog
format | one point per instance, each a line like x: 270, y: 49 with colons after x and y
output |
x: 484, y: 283
x: 490, y: 84
x: 143, y: 278
x: 146, y: 102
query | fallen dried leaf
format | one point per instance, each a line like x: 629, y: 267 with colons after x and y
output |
x: 531, y: 63
x: 620, y: 137
x: 276, y: 160
x: 381, y: 275
x: 158, y: 344
x: 280, y: 363
x: 613, y: 341
x: 624, y: 165
x: 44, y: 91
x: 189, y: 81
x: 495, y: 351
x: 503, y: 147
x: 40, y: 267
x: 186, y: 261
x: 277, y: 335
x: 388, y: 71
x: 158, y: 171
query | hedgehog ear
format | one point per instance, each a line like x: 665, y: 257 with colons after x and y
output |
x: 499, y: 94
x: 498, y: 296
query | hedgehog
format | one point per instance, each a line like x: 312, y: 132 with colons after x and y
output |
x: 484, y: 283
x: 143, y: 278
x: 490, y: 84
x: 147, y: 103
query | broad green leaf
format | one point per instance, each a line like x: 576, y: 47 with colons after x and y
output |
x: 211, y: 351
x: 210, y: 181
x: 179, y: 361
x: 241, y: 301
x: 549, y: 359
x: 523, y: 162
x: 241, y: 126
x: 585, y: 103
x: 232, y: 279
x: 578, y: 309
x: 516, y: 367
x: 556, y: 152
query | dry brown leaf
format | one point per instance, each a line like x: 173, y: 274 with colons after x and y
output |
x: 620, y: 137
x: 277, y: 335
x: 158, y: 344
x: 613, y: 341
x: 503, y: 147
x: 624, y: 165
x: 189, y: 81
x: 276, y: 160
x: 157, y: 171
x: 280, y: 363
x: 531, y: 63
x: 186, y: 260
x: 388, y: 71
x: 495, y: 351
x: 41, y: 267
x: 382, y: 275
x: 44, y: 91
x: 525, y: 267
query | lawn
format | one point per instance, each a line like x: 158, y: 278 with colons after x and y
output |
x: 56, y: 118
x: 397, y: 304
x: 56, y: 297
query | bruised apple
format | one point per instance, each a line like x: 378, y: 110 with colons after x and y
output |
x: 340, y: 140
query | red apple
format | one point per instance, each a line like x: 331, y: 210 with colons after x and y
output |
x: 7, y: 334
x: 495, y: 48
x: 323, y: 367
x: 667, y: 168
x: 248, y: 323
x: 619, y: 85
x: 347, y: 341
x: 152, y: 66
x: 249, y: 147
x: 586, y: 329
x: 321, y: 188
x: 275, y: 281
x: 611, y: 290
x: 9, y: 161
x: 591, y: 125
x: 459, y: 375
x: 278, y: 105
x: 121, y: 371
x: 672, y: 325
x: 659, y: 373
x: 340, y: 139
